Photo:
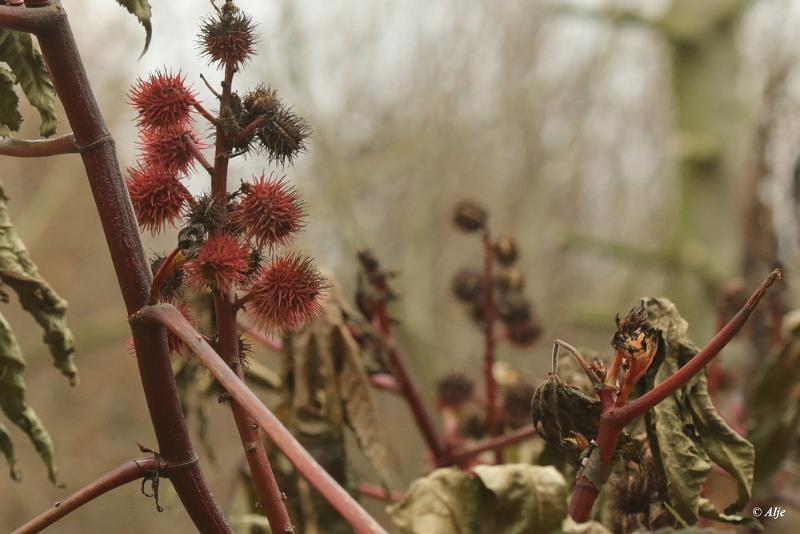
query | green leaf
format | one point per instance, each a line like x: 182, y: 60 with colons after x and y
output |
x: 37, y: 297
x: 686, y: 430
x: 27, y: 64
x: 141, y: 10
x: 510, y: 498
x: 10, y: 119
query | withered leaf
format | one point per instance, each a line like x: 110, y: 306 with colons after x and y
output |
x: 14, y: 405
x: 569, y: 526
x: 48, y: 309
x: 510, y: 498
x: 330, y: 385
x: 774, y: 407
x: 687, y: 432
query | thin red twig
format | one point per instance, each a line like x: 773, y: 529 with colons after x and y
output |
x: 197, y: 153
x: 23, y: 148
x: 248, y: 130
x: 261, y: 472
x: 125, y: 473
x: 460, y: 456
x: 490, y: 342
x: 269, y: 342
x: 204, y: 112
x: 170, y: 317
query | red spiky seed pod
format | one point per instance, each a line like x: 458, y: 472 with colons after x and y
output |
x: 170, y: 147
x: 269, y: 212
x: 285, y: 293
x: 162, y: 100
x: 469, y: 217
x: 227, y: 38
x: 221, y: 263
x: 157, y: 196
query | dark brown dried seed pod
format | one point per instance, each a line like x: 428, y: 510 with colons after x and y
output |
x: 505, y: 250
x: 208, y: 211
x: 510, y: 280
x: 454, y: 390
x: 284, y: 135
x: 469, y: 216
x: 227, y: 38
x: 513, y: 308
x: 473, y: 425
x: 468, y: 285
x: 368, y: 261
x: 523, y: 333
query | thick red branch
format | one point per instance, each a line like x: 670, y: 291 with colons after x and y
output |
x: 122, y: 235
x: 169, y: 316
x: 22, y: 148
x: 125, y: 473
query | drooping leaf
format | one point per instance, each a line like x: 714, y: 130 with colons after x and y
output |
x: 774, y: 407
x: 7, y: 448
x: 18, y: 271
x: 27, y: 64
x: 10, y: 119
x: 141, y: 10
x: 686, y: 430
x: 12, y: 399
x: 510, y: 498
x: 37, y: 298
x: 328, y: 365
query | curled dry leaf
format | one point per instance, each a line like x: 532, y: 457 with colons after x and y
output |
x: 685, y: 431
x: 510, y: 498
x: 774, y: 406
x: 329, y: 384
x: 48, y: 309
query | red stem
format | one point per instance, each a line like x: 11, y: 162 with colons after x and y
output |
x: 96, y: 145
x: 460, y: 456
x: 260, y: 470
x: 169, y: 316
x: 125, y: 473
x: 219, y: 178
x: 489, y: 317
x: 248, y: 130
x: 166, y: 268
x: 614, y: 418
x: 205, y: 113
x: 22, y: 148
x: 197, y: 153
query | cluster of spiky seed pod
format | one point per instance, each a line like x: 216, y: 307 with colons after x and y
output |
x: 225, y: 245
x: 512, y: 306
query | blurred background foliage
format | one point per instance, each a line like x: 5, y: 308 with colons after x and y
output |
x: 632, y: 148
